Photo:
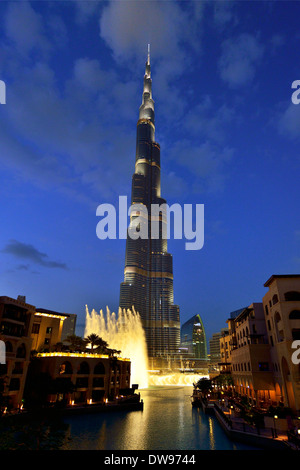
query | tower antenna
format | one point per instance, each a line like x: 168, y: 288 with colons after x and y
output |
x: 148, y: 53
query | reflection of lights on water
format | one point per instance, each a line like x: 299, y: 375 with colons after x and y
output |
x: 175, y: 379
x: 211, y: 434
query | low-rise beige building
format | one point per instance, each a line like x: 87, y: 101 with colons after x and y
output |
x: 251, y: 365
x: 16, y: 318
x: 76, y: 377
x: 91, y: 378
x: 47, y: 329
x: 282, y: 316
x: 259, y: 346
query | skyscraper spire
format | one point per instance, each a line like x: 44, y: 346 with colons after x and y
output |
x: 147, y: 106
x: 148, y: 274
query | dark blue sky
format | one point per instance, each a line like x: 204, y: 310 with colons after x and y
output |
x: 229, y: 136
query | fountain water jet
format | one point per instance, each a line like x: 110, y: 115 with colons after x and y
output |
x: 124, y: 333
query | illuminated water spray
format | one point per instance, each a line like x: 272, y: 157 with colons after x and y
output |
x: 125, y: 333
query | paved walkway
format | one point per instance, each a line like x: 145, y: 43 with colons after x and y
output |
x: 238, y: 424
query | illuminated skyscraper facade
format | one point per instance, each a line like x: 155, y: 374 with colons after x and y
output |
x: 193, y: 337
x: 148, y: 274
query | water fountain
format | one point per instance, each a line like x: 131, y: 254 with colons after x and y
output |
x: 125, y: 333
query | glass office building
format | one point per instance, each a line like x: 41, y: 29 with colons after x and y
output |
x: 193, y: 337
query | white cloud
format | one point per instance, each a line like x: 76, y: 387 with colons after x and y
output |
x: 289, y: 121
x: 209, y: 120
x: 223, y: 13
x: 239, y: 59
x: 206, y: 163
x: 128, y: 26
x: 24, y: 27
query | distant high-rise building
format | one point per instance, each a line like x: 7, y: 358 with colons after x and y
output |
x: 214, y: 348
x: 148, y: 274
x: 193, y: 337
x: 69, y: 326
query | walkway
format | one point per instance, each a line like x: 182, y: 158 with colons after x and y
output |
x: 237, y: 427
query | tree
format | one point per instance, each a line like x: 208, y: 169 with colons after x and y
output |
x: 224, y: 379
x: 112, y: 352
x: 95, y: 340
x: 76, y: 342
x: 204, y: 385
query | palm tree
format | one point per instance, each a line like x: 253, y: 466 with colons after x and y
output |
x: 76, y: 342
x: 95, y: 340
x: 112, y: 352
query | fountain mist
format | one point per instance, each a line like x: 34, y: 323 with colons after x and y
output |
x: 124, y: 333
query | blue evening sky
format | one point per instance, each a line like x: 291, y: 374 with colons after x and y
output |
x: 229, y: 135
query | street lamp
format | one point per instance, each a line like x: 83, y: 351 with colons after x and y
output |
x: 275, y: 417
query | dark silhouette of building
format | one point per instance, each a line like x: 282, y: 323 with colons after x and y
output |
x: 148, y: 275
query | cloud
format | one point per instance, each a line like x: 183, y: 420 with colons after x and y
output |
x: 288, y: 121
x: 29, y: 252
x: 210, y: 121
x: 206, y: 163
x: 239, y: 59
x: 173, y: 31
x: 223, y: 13
x: 24, y: 28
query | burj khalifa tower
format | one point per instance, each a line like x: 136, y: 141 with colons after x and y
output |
x: 148, y: 273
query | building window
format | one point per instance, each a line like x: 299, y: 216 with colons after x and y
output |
x: 65, y: 368
x: 21, y: 351
x: 275, y: 299
x: 263, y: 366
x: 35, y: 328
x: 83, y: 368
x: 296, y: 334
x: 267, y: 310
x: 14, y: 384
x: 99, y: 368
x: 294, y: 315
x: 293, y: 295
x: 48, y: 330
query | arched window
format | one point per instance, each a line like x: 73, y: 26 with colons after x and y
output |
x: 292, y: 295
x: 21, y: 351
x: 83, y: 368
x: 294, y: 315
x: 277, y: 317
x: 99, y: 368
x: 65, y: 368
x: 14, y: 384
x: 275, y: 299
x: 8, y: 347
x: 279, y: 333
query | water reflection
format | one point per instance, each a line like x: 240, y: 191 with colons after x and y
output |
x: 168, y: 422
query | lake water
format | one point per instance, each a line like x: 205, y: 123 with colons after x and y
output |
x: 168, y: 422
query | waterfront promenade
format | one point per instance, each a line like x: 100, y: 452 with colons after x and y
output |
x: 240, y: 430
